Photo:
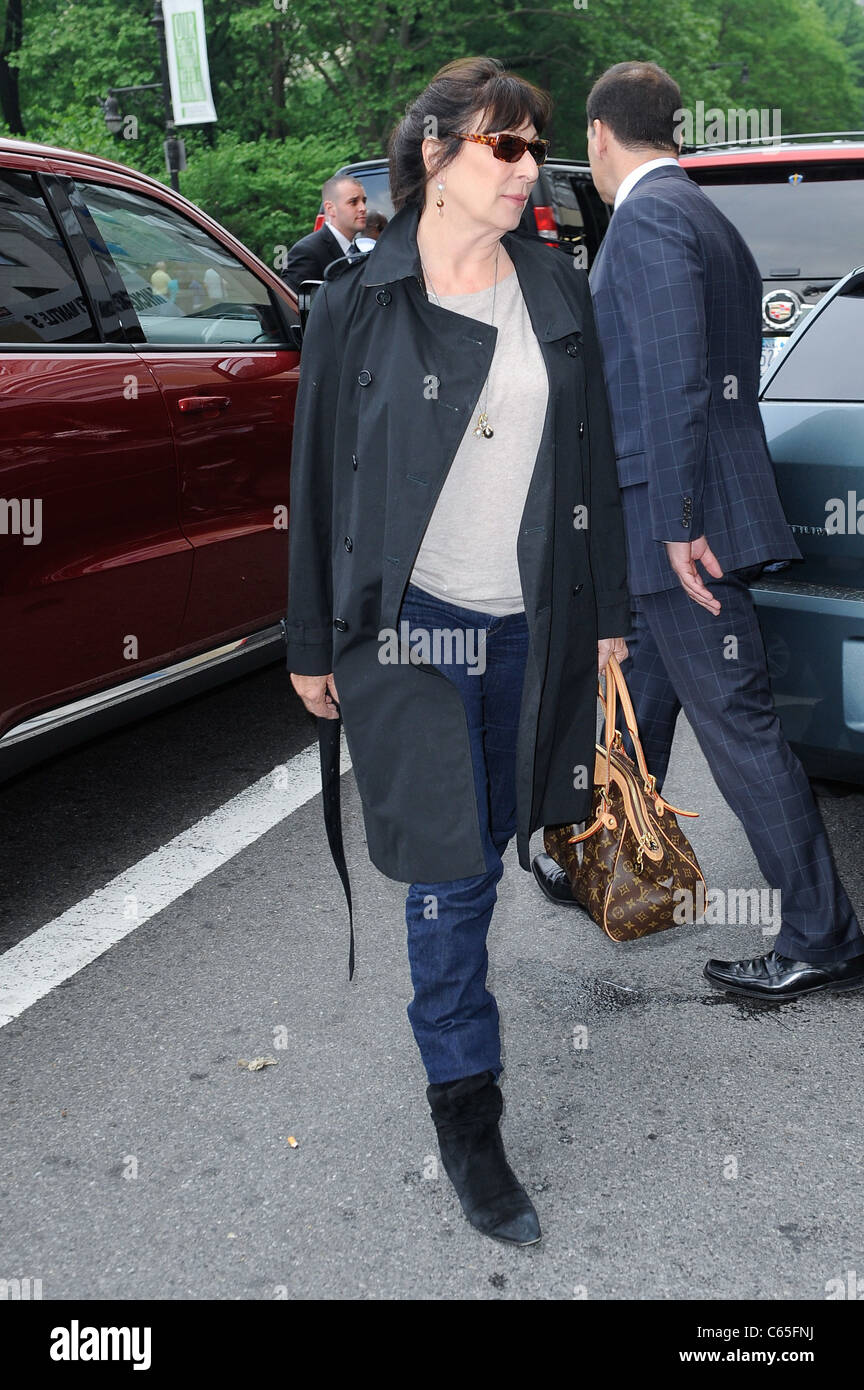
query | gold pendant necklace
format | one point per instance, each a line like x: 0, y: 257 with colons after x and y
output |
x: 482, y: 430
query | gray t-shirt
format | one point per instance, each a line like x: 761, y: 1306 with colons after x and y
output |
x: 468, y: 553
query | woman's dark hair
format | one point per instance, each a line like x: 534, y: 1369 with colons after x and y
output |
x: 640, y: 103
x: 462, y: 90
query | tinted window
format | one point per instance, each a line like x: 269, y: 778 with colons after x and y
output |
x: 187, y: 289
x: 41, y: 300
x: 799, y: 220
x: 376, y: 182
x: 562, y: 187
x: 581, y: 216
x: 826, y: 364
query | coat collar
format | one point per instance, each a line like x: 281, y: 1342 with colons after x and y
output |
x: 553, y: 314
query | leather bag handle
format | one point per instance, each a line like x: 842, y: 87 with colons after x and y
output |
x: 616, y: 688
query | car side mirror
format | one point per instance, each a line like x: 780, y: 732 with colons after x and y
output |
x: 305, y: 295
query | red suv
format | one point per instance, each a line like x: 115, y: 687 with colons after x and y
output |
x: 148, y: 373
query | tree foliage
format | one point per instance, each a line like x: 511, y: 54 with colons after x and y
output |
x: 301, y: 87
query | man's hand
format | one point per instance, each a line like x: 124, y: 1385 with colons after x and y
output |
x: 318, y: 694
x: 682, y: 557
x: 610, y: 646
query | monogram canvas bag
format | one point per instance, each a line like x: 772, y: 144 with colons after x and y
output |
x: 629, y: 867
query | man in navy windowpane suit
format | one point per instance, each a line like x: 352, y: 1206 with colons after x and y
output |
x: 677, y: 299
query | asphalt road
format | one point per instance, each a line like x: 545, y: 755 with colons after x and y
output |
x: 677, y: 1144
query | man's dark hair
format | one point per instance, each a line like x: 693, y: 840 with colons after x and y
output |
x: 328, y: 192
x: 459, y: 92
x: 640, y: 103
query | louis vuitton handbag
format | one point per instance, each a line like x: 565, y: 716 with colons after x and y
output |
x: 628, y: 869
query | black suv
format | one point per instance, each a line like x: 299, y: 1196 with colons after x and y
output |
x: 564, y: 209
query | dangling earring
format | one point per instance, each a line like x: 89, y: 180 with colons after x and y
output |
x: 439, y: 201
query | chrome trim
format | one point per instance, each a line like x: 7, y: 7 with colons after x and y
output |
x: 808, y: 598
x: 63, y: 715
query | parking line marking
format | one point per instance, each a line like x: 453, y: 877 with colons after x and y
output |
x: 53, y: 953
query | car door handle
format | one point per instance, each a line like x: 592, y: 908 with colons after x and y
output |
x: 189, y: 403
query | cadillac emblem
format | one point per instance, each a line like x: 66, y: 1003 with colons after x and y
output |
x: 781, y: 309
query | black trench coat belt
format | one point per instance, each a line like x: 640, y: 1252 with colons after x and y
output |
x: 388, y: 383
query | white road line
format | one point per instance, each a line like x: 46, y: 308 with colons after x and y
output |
x: 50, y: 955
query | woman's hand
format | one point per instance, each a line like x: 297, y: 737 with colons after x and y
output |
x: 606, y: 647
x: 318, y: 694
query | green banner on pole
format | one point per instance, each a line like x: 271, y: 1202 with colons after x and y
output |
x: 188, y: 68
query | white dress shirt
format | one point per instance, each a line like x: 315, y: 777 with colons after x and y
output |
x: 629, y: 183
x: 343, y: 241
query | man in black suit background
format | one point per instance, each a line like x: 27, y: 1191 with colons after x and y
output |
x: 344, y: 200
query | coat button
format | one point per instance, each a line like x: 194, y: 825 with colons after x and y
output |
x: 340, y: 624
x: 572, y: 349
x: 353, y: 460
x: 581, y: 428
x: 383, y: 296
x: 365, y: 377
x: 349, y: 544
x: 577, y: 589
x: 685, y: 521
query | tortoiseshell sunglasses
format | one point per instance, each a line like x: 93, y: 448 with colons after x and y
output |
x: 510, y: 148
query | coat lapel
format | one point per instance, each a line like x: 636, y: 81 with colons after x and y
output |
x: 552, y: 314
x: 466, y: 347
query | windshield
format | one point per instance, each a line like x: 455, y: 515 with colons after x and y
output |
x: 800, y: 222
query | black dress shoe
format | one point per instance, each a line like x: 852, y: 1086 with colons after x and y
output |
x: 777, y: 977
x: 466, y: 1114
x: 553, y: 880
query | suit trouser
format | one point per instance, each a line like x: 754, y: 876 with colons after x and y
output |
x: 715, y: 669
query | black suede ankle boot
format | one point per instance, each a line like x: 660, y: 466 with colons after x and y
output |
x: 466, y: 1114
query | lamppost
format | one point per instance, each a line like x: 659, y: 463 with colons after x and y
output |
x: 175, y: 149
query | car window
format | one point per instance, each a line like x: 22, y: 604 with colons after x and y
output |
x: 571, y: 223
x: 826, y: 362
x: 41, y: 300
x: 187, y: 289
x: 799, y: 220
x: 376, y: 182
x: 582, y: 217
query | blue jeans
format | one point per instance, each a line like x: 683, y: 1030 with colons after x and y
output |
x: 453, y: 1015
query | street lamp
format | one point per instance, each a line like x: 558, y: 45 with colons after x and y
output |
x: 113, y: 115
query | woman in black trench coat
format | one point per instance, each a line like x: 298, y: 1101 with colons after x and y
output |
x: 457, y: 564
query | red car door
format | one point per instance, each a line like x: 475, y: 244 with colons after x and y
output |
x: 215, y: 341
x: 94, y: 566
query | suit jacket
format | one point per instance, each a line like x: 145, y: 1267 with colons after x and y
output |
x: 310, y: 257
x: 677, y: 298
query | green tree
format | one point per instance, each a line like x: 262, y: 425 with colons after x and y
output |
x: 300, y: 88
x: 845, y: 20
x: 774, y: 40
